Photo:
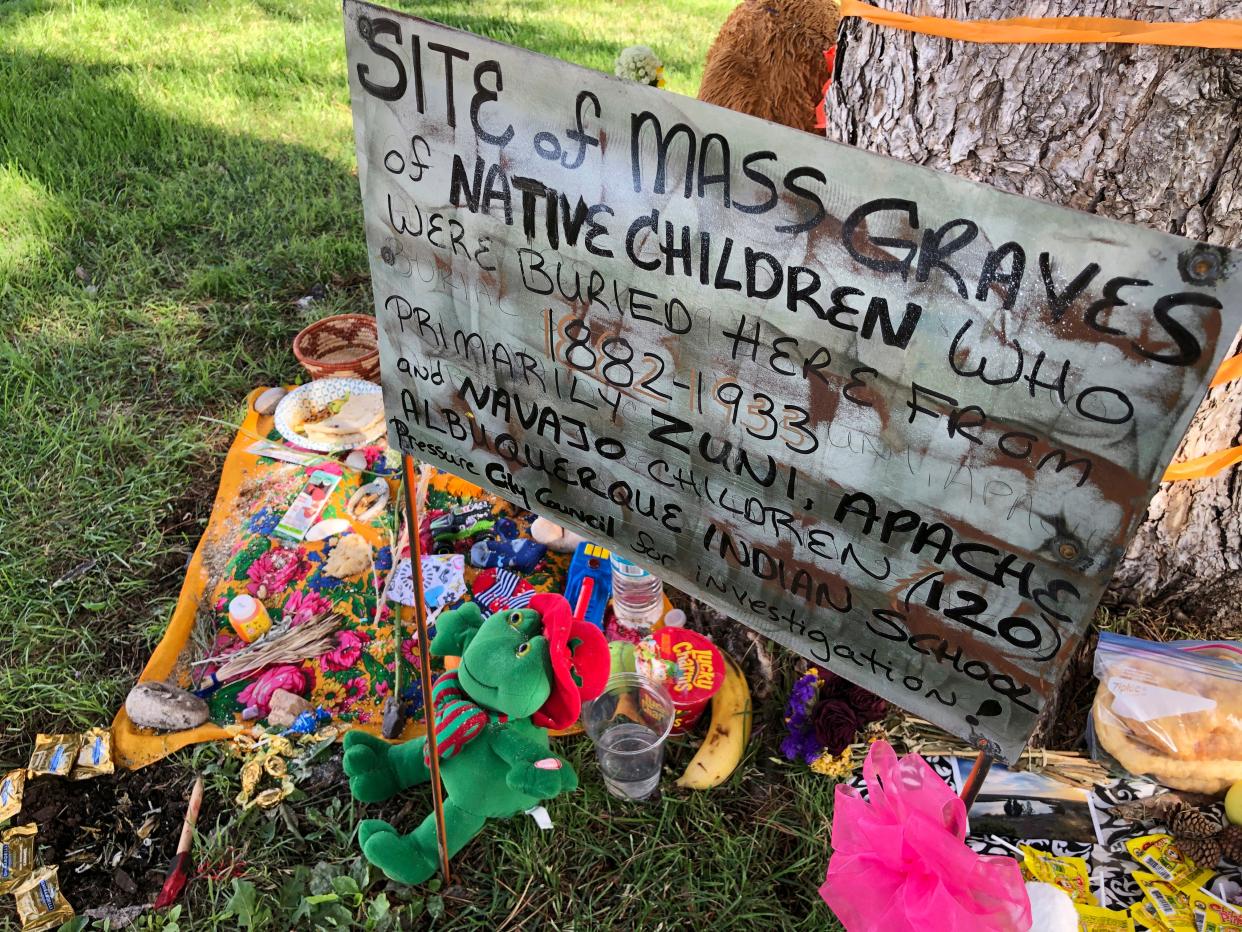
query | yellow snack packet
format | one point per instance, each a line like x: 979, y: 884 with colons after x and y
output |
x: 40, y: 904
x: 1069, y: 874
x: 1170, y: 903
x: 1214, y: 915
x: 53, y: 754
x: 95, y: 756
x: 17, y: 855
x: 1099, y: 919
x: 11, y: 787
x: 1160, y: 856
x: 1145, y: 915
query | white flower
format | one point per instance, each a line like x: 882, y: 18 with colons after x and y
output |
x: 639, y: 63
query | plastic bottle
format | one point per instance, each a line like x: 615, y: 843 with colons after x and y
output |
x: 637, y: 596
x: 249, y: 618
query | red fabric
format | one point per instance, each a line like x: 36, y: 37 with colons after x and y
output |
x: 821, y: 118
x: 589, y: 659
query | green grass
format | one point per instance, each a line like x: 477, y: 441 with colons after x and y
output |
x: 174, y: 175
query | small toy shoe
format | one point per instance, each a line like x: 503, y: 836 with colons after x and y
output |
x: 519, y: 555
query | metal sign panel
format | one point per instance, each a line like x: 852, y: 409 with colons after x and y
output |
x: 902, y: 423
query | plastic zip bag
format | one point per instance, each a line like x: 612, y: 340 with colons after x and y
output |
x: 1170, y: 711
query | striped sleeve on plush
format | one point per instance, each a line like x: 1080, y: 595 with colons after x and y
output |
x: 457, y: 719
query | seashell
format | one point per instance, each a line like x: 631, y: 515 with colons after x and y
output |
x: 266, y: 403
x: 328, y: 527
x: 358, y: 507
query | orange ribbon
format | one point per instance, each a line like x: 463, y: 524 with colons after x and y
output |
x: 1072, y: 30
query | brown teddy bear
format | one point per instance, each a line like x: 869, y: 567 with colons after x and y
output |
x: 769, y: 60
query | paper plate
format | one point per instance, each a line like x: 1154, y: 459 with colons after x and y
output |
x: 315, y: 395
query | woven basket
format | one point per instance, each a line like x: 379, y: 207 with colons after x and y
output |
x: 342, y: 346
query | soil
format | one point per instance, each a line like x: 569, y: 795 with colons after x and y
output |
x: 113, y: 836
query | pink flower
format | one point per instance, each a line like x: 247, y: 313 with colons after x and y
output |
x: 373, y: 453
x: 284, y: 676
x: 409, y: 650
x: 347, y: 652
x: 363, y: 717
x: 355, y: 691
x: 275, y: 570
x: 304, y: 605
x: 381, y: 689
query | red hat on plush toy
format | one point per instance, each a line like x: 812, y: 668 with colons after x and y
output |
x: 580, y: 661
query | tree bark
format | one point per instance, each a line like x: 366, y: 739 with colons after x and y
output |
x: 1141, y: 134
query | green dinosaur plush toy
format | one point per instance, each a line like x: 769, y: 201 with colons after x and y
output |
x: 522, y: 671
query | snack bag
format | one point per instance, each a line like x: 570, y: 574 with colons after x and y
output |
x: 1069, y: 874
x: 53, y: 754
x: 1171, y: 903
x: 1145, y: 916
x: 1213, y: 915
x: 40, y: 904
x: 11, y: 787
x: 17, y: 855
x: 1172, y: 712
x: 1099, y: 919
x: 95, y: 756
x: 1159, y: 855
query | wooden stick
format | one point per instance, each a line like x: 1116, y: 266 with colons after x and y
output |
x: 974, y: 782
x: 424, y: 659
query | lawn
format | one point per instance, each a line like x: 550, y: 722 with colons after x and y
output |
x: 174, y: 177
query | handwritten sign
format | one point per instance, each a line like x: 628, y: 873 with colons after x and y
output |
x: 902, y: 423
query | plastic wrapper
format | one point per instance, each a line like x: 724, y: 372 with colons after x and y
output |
x: 17, y: 855
x: 1171, y: 712
x: 95, y: 755
x: 40, y: 904
x: 53, y: 755
x: 12, y: 785
x: 1099, y: 919
x: 1065, y: 873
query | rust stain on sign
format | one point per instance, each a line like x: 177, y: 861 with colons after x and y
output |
x: 902, y: 423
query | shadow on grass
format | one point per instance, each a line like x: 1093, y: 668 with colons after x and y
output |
x: 160, y: 289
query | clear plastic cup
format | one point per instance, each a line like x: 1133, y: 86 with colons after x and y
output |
x: 629, y: 723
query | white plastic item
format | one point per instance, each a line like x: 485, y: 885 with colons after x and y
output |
x: 1051, y: 908
x: 637, y: 596
x: 675, y: 619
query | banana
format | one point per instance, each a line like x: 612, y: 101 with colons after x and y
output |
x: 727, y: 737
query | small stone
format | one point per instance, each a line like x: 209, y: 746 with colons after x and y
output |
x: 356, y: 460
x: 266, y: 403
x: 285, y: 708
x: 164, y: 708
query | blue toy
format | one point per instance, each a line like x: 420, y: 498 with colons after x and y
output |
x: 520, y: 555
x: 590, y: 570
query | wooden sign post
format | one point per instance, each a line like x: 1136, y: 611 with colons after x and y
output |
x: 901, y: 423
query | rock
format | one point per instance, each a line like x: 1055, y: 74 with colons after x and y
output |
x: 356, y: 460
x: 164, y: 708
x: 266, y: 403
x: 285, y: 707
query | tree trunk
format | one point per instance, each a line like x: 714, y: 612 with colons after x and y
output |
x: 1141, y: 134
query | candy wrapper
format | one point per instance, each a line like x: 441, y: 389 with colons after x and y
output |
x: 40, y: 904
x: 1212, y: 915
x: 11, y: 788
x: 53, y: 755
x: 95, y: 756
x: 1099, y: 919
x: 1159, y: 855
x: 1065, y: 873
x: 17, y: 855
x: 1171, y: 903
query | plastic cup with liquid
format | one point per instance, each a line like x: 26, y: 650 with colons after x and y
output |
x: 629, y: 723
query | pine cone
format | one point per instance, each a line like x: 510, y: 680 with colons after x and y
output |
x: 1231, y: 844
x: 1192, y: 823
x: 1204, y: 852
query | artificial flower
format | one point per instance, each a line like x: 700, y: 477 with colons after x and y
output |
x: 835, y: 722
